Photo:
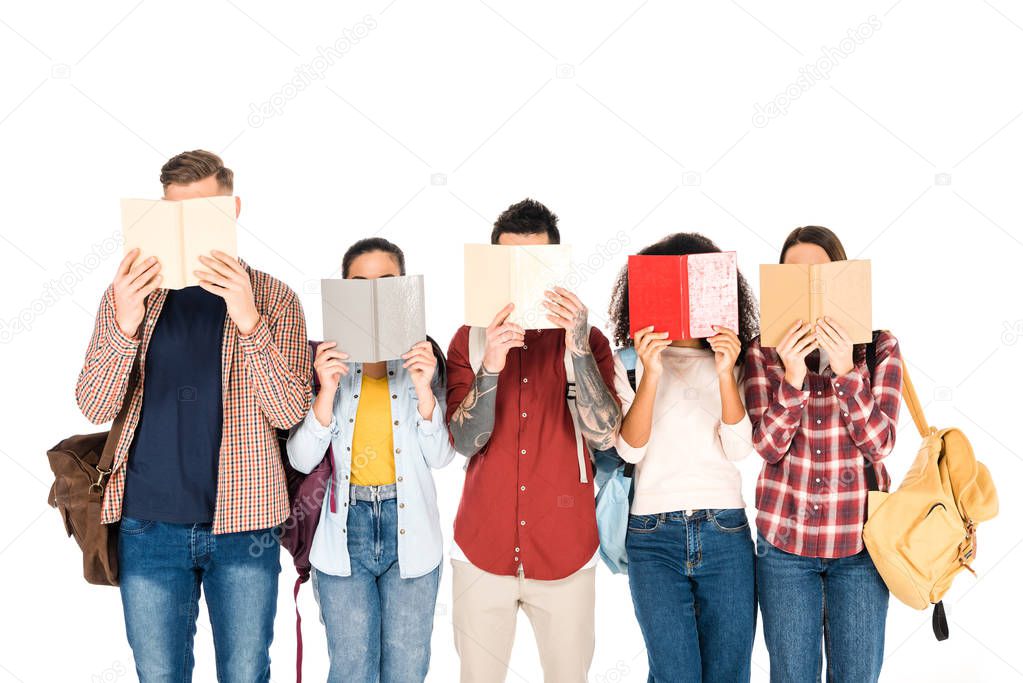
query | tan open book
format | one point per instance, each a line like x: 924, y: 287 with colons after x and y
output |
x: 838, y: 290
x: 177, y: 232
x: 497, y: 274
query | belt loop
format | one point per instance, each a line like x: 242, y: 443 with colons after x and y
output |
x: 351, y: 495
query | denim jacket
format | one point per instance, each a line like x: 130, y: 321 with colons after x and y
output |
x: 418, y: 446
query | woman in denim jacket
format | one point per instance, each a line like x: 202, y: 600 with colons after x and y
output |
x: 376, y: 556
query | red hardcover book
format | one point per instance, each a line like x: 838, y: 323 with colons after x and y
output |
x: 684, y: 295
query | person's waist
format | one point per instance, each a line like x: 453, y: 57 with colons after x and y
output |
x: 372, y: 493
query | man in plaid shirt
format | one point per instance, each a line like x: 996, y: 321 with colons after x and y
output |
x: 197, y: 482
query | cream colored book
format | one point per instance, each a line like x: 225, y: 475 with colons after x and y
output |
x: 177, y: 232
x: 838, y: 290
x: 497, y: 274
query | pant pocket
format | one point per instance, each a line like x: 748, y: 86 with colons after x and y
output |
x: 730, y: 520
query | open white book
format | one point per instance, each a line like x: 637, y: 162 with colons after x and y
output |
x: 178, y: 232
x: 497, y: 274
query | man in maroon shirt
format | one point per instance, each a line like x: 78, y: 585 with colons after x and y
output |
x: 526, y: 532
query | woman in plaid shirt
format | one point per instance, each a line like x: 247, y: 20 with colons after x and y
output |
x: 823, y: 424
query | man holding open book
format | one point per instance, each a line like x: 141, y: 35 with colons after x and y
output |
x: 221, y: 357
x: 526, y: 532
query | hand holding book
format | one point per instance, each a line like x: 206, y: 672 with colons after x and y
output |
x: 230, y: 281
x: 135, y: 280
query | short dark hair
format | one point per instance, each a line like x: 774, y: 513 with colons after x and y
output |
x: 189, y: 167
x: 815, y: 234
x: 528, y: 217
x: 371, y: 244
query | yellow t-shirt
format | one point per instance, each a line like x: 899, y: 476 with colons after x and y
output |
x: 373, y: 440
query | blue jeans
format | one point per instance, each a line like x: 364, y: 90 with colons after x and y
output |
x: 694, y: 591
x: 163, y: 569
x: 378, y: 624
x: 804, y: 599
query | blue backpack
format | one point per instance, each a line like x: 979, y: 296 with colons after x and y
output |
x: 614, y: 493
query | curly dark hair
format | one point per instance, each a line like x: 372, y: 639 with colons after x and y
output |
x: 680, y: 244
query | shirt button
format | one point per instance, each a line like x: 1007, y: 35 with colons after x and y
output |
x: 358, y: 371
x: 818, y: 480
x: 400, y: 479
x: 351, y: 419
x: 401, y: 531
x: 391, y: 373
x: 818, y: 451
x: 816, y: 507
x: 818, y: 393
x: 840, y: 393
x: 395, y: 423
x: 355, y: 396
x: 344, y: 531
x: 818, y: 421
x: 523, y: 414
x: 525, y: 346
x: 525, y: 380
x: 516, y: 558
x: 845, y: 414
x: 346, y: 476
x: 523, y: 451
x: 522, y: 523
x: 397, y: 451
x: 394, y: 395
x: 522, y: 488
x: 516, y: 549
x: 401, y: 505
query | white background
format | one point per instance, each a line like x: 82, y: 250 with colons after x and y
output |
x: 630, y: 117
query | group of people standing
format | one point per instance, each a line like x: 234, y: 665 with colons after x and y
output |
x: 198, y: 474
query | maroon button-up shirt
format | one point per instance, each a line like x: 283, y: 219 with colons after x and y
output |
x: 522, y: 501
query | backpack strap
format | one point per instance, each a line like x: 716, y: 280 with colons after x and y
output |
x: 939, y: 623
x: 477, y: 347
x: 628, y: 356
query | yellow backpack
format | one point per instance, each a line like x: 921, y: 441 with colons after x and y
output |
x: 925, y: 532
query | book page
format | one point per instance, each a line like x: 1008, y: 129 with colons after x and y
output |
x: 348, y: 317
x: 784, y: 299
x: 535, y: 269
x: 154, y: 227
x: 713, y: 293
x: 208, y: 223
x: 487, y: 282
x: 401, y: 316
x: 844, y: 293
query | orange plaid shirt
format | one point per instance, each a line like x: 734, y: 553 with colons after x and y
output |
x: 265, y: 379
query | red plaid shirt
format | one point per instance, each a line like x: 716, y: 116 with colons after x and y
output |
x: 265, y: 379
x: 812, y: 490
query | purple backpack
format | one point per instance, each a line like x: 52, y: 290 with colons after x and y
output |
x: 305, y: 493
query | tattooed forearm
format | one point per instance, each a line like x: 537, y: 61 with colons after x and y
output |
x: 473, y: 419
x: 599, y: 413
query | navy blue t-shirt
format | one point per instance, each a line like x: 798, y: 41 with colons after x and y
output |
x: 172, y: 465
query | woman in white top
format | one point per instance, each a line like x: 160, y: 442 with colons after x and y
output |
x: 691, y: 558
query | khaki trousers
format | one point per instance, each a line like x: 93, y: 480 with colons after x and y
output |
x: 485, y: 609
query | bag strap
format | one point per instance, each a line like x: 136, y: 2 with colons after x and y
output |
x: 628, y: 357
x: 913, y: 403
x: 298, y: 632
x: 939, y: 622
x: 106, y: 458
x: 477, y: 347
